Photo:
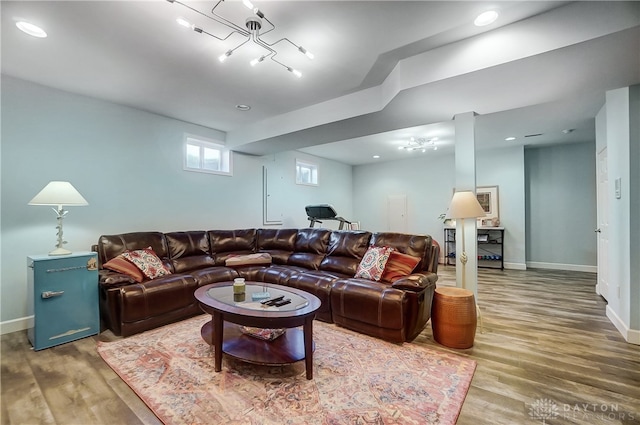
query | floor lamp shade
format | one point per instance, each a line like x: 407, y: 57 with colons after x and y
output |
x: 59, y: 194
x: 464, y: 204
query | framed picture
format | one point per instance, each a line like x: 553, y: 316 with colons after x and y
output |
x: 488, y: 199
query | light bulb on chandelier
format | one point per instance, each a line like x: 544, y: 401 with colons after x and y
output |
x: 251, y: 31
x: 420, y: 144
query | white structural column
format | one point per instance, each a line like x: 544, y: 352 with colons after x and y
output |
x: 465, y: 161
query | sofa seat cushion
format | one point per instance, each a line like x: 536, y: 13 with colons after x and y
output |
x: 214, y: 275
x: 277, y: 274
x: 372, y: 303
x: 252, y: 273
x: 109, y: 278
x: 157, y: 297
x: 318, y: 284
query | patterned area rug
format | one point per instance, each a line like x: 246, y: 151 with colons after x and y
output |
x: 357, y: 380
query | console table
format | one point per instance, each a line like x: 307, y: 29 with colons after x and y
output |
x: 490, y: 250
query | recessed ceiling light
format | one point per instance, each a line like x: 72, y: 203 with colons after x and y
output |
x: 376, y: 156
x: 31, y: 29
x: 568, y: 130
x: 508, y: 139
x: 243, y: 107
x: 486, y: 18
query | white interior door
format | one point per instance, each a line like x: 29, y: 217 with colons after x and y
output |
x: 397, y: 213
x: 602, y: 287
x: 271, y: 211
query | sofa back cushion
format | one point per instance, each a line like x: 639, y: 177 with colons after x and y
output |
x: 225, y: 243
x: 310, y: 248
x: 279, y: 243
x: 414, y: 245
x: 189, y: 250
x: 110, y: 246
x: 345, y: 251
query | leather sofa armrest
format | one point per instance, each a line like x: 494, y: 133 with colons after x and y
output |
x: 416, y: 282
x: 111, y: 278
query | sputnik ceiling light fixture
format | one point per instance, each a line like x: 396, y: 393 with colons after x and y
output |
x: 420, y: 144
x: 252, y: 32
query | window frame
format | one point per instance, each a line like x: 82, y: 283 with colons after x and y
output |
x: 226, y: 155
x: 314, y: 169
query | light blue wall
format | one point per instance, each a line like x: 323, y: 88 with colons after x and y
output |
x: 127, y: 163
x: 505, y: 168
x: 622, y: 139
x: 561, y: 204
x: 428, y: 183
x: 335, y: 186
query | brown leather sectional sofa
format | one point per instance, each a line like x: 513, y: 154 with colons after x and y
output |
x: 319, y: 261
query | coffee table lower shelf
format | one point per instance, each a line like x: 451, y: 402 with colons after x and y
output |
x: 286, y: 349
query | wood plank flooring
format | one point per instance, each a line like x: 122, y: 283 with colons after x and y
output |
x: 546, y: 351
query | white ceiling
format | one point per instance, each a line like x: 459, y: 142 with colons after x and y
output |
x: 383, y: 71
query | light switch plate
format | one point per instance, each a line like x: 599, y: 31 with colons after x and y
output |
x: 618, y: 186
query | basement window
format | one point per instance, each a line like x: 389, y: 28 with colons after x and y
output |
x: 206, y: 156
x: 306, y: 173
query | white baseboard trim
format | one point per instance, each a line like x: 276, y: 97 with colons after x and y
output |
x: 560, y: 266
x: 16, y: 325
x: 630, y: 335
x: 515, y: 266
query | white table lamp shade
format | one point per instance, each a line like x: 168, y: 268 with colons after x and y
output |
x: 59, y: 193
x: 464, y: 204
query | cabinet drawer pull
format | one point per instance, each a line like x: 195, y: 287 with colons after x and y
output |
x: 51, y: 294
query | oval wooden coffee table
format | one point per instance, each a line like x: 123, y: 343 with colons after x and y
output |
x: 229, y: 311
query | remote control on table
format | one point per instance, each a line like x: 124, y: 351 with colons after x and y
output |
x: 272, y: 300
x: 281, y: 303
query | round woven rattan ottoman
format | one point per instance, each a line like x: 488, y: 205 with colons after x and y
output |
x: 453, y: 317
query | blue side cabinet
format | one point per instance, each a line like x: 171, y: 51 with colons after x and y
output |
x: 63, y: 297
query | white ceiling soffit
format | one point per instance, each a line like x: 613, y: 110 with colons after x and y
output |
x: 526, y: 63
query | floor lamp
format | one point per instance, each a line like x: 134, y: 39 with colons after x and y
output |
x: 463, y: 205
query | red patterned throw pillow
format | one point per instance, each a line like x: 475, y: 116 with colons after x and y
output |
x: 399, y: 265
x: 148, y: 262
x: 372, y: 264
x: 122, y: 265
